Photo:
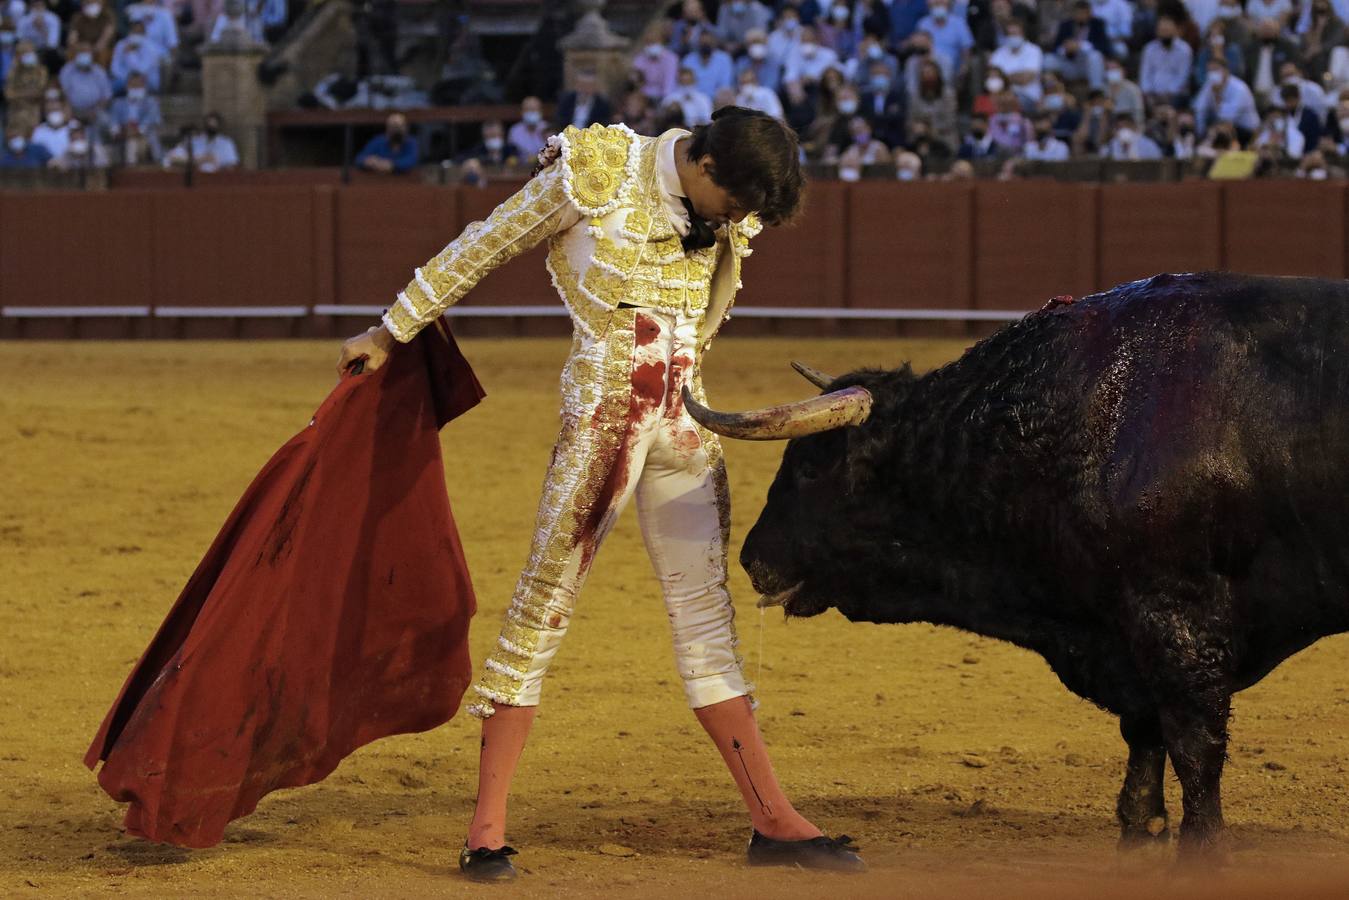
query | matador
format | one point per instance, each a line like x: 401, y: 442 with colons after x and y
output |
x: 646, y: 238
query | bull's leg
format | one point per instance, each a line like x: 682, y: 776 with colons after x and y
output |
x: 1182, y: 646
x: 1142, y: 804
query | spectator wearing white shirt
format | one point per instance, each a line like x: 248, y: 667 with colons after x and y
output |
x: 1021, y: 61
x: 807, y: 61
x: 83, y: 151
x: 527, y: 136
x: 210, y: 150
x: 695, y: 105
x: 1128, y: 143
x: 1045, y: 147
x: 1225, y: 98
x: 1164, y: 73
x: 869, y: 52
x: 1279, y: 137
x: 160, y: 25
x: 53, y: 132
x: 1203, y: 12
x: 136, y: 53
x: 753, y: 95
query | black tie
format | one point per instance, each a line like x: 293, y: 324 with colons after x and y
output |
x: 700, y: 231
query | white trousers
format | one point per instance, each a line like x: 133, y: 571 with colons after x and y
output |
x: 625, y: 433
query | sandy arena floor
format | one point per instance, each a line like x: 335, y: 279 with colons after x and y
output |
x: 960, y: 765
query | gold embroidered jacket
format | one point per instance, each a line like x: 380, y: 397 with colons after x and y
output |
x: 628, y: 251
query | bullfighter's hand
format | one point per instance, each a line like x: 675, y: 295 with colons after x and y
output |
x: 372, y: 345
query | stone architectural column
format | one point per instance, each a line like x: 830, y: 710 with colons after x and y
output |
x: 593, y: 47
x: 230, y: 87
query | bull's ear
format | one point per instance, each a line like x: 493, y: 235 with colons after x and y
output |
x: 865, y: 447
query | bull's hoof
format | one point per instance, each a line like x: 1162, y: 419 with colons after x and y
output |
x: 1204, y: 850
x: 1155, y: 831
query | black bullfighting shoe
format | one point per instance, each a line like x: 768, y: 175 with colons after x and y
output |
x: 812, y: 853
x: 487, y: 865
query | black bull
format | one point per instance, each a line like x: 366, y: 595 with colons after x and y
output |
x: 1147, y: 487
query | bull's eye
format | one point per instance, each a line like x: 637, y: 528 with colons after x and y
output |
x: 807, y: 471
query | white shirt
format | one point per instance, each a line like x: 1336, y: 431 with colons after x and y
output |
x: 696, y: 105
x: 1030, y: 58
x: 220, y: 147
x: 798, y: 67
x: 756, y: 96
x: 54, y: 139
x: 670, y: 187
x: 1053, y: 150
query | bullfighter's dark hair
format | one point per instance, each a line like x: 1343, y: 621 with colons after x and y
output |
x: 756, y: 157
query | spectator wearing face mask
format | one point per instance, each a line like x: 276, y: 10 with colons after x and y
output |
x: 210, y: 150
x: 85, y: 84
x: 830, y: 127
x: 160, y: 26
x: 753, y: 95
x: 1080, y: 65
x: 1225, y: 98
x: 1216, y: 46
x: 1061, y: 107
x: 917, y: 52
x: 93, y: 28
x: 1093, y: 130
x: 584, y: 106
x: 990, y: 29
x: 82, y: 152
x: 40, y: 27
x: 1043, y: 146
x: 20, y: 153
x: 492, y: 151
x: 931, y: 149
x: 136, y: 53
x: 657, y: 64
x: 1164, y: 71
x: 951, y: 37
x: 767, y: 71
x: 529, y: 134
x: 53, y: 132
x: 1299, y: 118
x: 1022, y: 62
x: 1315, y: 168
x: 695, y: 105
x: 884, y: 105
x: 25, y: 83
x: 978, y: 144
x: 1128, y: 143
x: 394, y: 151
x: 869, y: 52
x: 797, y: 107
x: 1125, y: 96
x: 994, y: 84
x: 1322, y: 30
x: 736, y: 19
x: 1266, y: 55
x: 1181, y: 137
x: 711, y: 66
x: 808, y: 61
x: 133, y: 124
x: 1336, y: 137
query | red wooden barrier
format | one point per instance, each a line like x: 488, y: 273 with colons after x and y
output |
x: 909, y: 246
x: 1285, y: 227
x: 803, y: 264
x: 382, y: 233
x: 1151, y: 228
x: 1033, y: 240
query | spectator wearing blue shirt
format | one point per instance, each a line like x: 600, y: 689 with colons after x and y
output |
x: 767, y: 70
x: 1217, y: 45
x: 904, y: 18
x: 712, y: 67
x: 1164, y: 74
x: 951, y: 37
x: 20, y: 153
x: 394, y: 151
x: 1225, y: 98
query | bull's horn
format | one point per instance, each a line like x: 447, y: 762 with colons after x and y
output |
x: 849, y: 406
x: 814, y: 376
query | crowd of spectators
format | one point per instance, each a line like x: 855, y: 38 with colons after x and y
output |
x: 942, y: 86
x: 82, y: 80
